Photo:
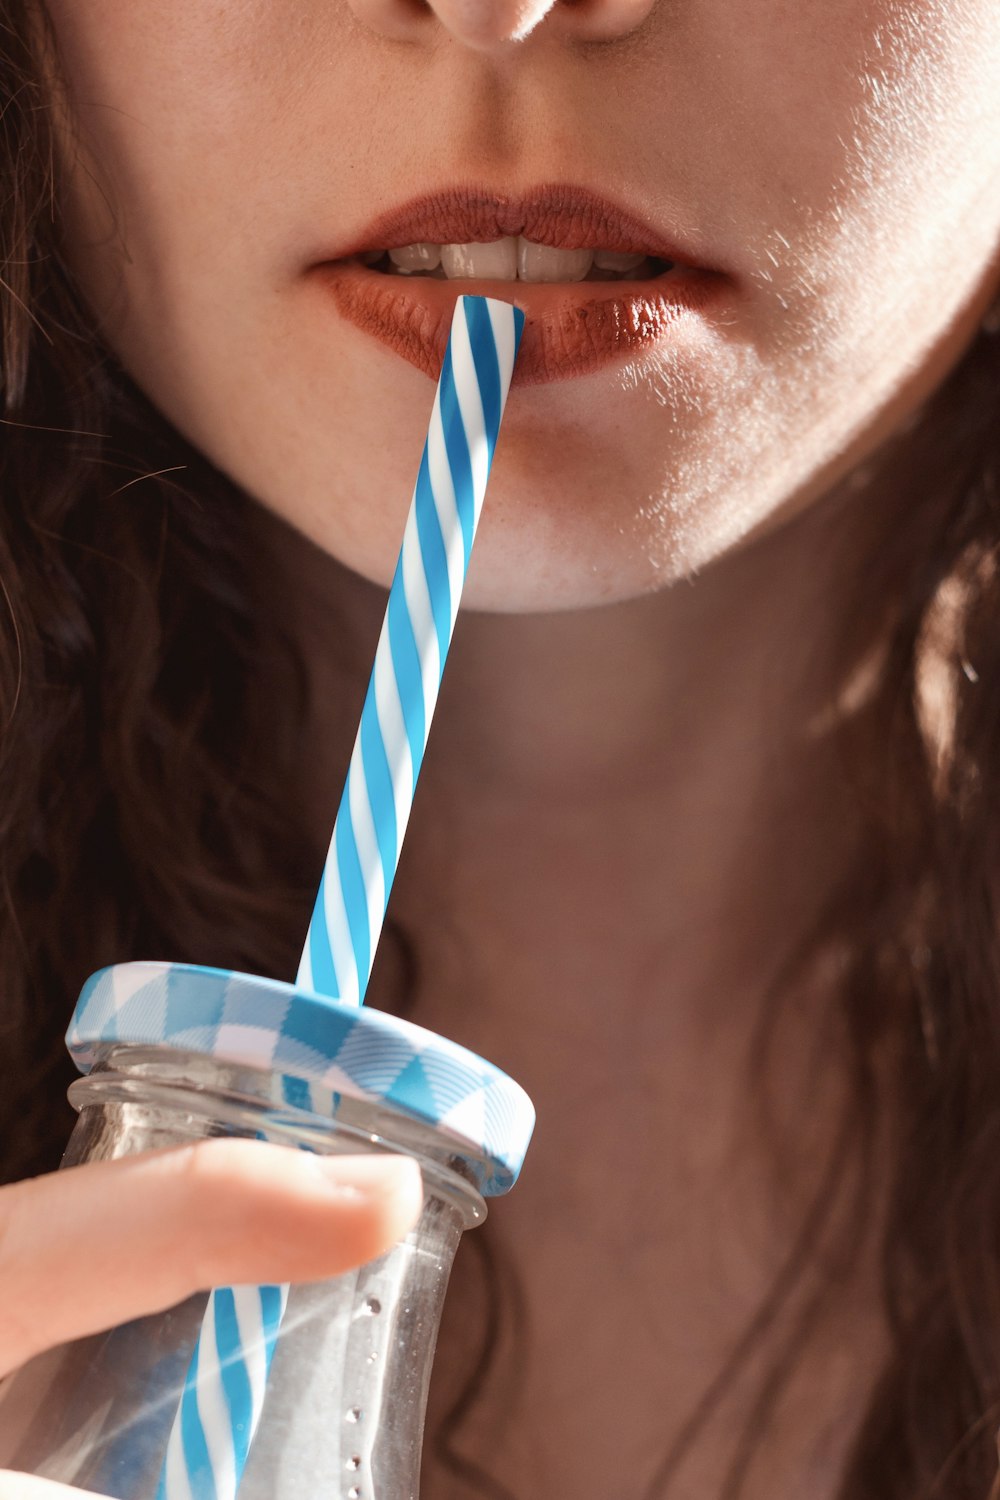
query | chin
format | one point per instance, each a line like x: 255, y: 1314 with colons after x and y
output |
x: 505, y: 579
x: 546, y: 561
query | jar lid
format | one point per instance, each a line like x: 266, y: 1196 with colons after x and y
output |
x: 347, y: 1049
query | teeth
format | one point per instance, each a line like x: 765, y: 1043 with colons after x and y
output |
x: 510, y: 259
x: 422, y: 257
x: 496, y: 261
x: 611, y: 260
x: 543, y: 263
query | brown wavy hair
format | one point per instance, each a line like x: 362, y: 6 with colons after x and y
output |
x: 138, y: 772
x: 142, y: 763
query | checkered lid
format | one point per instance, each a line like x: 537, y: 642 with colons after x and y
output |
x: 328, y: 1047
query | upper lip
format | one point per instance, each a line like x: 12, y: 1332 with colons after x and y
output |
x: 562, y: 215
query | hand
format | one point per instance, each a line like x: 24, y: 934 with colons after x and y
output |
x: 97, y: 1245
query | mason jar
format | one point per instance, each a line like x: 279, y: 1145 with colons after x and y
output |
x: 338, y: 1371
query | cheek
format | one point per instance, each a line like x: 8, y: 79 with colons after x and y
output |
x: 900, y: 215
x: 874, y: 231
x: 168, y: 120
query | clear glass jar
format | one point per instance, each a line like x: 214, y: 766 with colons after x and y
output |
x: 346, y: 1394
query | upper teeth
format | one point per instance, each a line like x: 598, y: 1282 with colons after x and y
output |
x: 510, y: 259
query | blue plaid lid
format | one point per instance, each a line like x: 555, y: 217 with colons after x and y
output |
x: 343, y: 1049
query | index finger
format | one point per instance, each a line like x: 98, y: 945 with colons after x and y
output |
x: 92, y: 1246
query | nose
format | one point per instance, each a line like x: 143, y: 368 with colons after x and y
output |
x: 494, y: 26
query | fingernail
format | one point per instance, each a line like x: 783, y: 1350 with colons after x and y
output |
x: 370, y: 1176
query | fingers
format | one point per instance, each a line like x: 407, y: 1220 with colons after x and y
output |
x: 27, y: 1487
x: 93, y: 1246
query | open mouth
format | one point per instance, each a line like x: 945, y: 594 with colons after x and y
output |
x: 544, y: 255
x: 514, y: 258
x: 572, y: 327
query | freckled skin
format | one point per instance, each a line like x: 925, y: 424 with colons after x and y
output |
x: 841, y: 162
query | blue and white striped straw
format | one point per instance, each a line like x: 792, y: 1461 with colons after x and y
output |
x: 409, y: 662
x: 224, y: 1390
x: 223, y: 1394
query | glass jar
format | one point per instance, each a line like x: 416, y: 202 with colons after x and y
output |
x: 346, y: 1391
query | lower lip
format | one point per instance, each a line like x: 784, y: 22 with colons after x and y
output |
x: 570, y: 329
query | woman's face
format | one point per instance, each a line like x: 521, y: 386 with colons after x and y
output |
x: 835, y: 163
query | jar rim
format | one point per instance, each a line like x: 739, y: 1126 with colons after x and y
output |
x: 318, y: 1043
x: 240, y: 1100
